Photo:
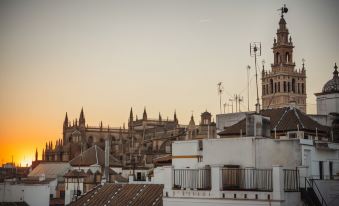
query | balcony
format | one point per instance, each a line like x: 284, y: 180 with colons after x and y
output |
x: 250, y: 179
x: 194, y: 179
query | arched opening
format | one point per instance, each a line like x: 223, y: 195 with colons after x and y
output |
x: 90, y: 140
x: 275, y: 87
x: 288, y: 57
x: 278, y: 86
x: 284, y: 86
x: 277, y: 58
x: 271, y: 82
x: 293, y: 85
x: 302, y: 88
x: 263, y: 89
x: 267, y: 89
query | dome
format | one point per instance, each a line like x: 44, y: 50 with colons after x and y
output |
x: 332, y: 86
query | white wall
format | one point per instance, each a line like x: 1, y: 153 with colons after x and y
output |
x: 229, y: 151
x: 317, y: 155
x: 270, y: 152
x: 37, y: 194
x: 185, y: 154
x: 293, y: 201
x: 328, y: 103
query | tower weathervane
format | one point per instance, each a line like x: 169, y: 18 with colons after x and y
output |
x: 283, y: 10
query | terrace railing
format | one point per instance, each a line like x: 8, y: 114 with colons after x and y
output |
x: 196, y: 179
x: 247, y: 179
x: 291, y: 180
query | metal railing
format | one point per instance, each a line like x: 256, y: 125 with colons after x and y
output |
x: 247, y: 179
x: 196, y: 179
x: 311, y: 184
x: 291, y: 180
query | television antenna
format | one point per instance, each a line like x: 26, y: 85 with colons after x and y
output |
x: 220, y: 90
x: 255, y: 51
x: 248, y: 87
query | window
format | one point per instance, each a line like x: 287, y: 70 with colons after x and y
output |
x: 275, y: 87
x: 287, y: 57
x: 302, y: 88
x: 284, y: 86
x: 277, y: 58
x: 293, y: 85
x: 278, y: 86
x: 271, y: 81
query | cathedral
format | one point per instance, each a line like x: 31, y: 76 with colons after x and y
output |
x: 142, y: 140
x: 283, y: 84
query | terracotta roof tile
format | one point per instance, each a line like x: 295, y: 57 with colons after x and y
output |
x: 123, y: 194
x: 283, y: 119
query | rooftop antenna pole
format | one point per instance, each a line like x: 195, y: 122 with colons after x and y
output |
x: 255, y: 50
x: 220, y: 90
x: 248, y: 87
x: 231, y: 100
x: 240, y: 99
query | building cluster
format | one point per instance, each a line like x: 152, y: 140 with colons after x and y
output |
x: 279, y: 155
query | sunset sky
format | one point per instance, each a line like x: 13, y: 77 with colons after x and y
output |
x: 108, y: 56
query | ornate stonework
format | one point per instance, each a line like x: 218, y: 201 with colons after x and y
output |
x: 283, y: 84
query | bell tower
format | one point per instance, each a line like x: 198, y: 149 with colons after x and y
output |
x: 283, y: 84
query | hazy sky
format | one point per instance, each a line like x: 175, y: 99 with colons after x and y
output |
x: 108, y: 56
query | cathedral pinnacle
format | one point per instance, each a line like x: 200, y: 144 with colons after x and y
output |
x: 131, y: 115
x: 82, y: 118
x: 66, y: 121
x: 144, y: 115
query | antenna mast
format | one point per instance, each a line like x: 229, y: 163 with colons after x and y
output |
x: 248, y: 87
x: 220, y: 90
x: 255, y: 50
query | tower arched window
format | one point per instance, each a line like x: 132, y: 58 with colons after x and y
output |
x: 271, y: 82
x: 284, y: 86
x: 288, y: 57
x: 302, y: 88
x: 267, y: 89
x: 277, y: 58
x: 263, y: 89
x: 293, y: 85
x: 298, y: 88
x: 275, y: 87
x: 278, y: 86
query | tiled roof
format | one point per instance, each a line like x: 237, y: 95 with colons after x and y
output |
x: 235, y: 129
x: 50, y: 169
x: 283, y: 119
x: 94, y: 155
x: 122, y: 195
x: 75, y: 173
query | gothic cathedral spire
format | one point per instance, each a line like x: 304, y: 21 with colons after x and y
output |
x: 144, y: 115
x: 82, y: 118
x: 66, y: 121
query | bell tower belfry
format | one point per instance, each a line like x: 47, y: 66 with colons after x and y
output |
x: 283, y: 84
